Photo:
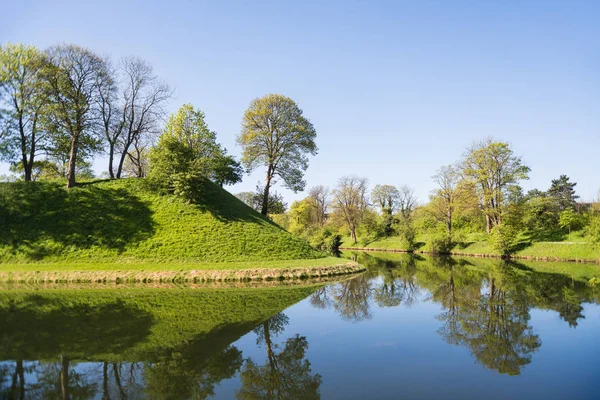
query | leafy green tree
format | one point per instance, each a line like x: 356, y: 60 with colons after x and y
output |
x: 226, y: 170
x: 275, y: 134
x: 562, y: 190
x: 23, y: 102
x: 187, y: 153
x: 387, y: 198
x: 503, y: 238
x: 540, y: 215
x: 73, y: 87
x: 567, y: 219
x: 494, y: 168
x: 593, y: 229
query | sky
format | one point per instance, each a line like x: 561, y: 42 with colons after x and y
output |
x: 394, y: 89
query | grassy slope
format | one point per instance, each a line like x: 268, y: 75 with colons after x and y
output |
x: 568, y: 250
x: 121, y: 221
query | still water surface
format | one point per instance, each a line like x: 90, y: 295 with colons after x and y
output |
x: 411, y: 327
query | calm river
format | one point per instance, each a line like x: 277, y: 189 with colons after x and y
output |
x: 411, y: 327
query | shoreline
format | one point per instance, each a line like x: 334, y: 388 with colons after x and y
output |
x: 475, y: 255
x: 180, y: 276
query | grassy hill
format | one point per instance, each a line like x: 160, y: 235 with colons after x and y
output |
x: 124, y: 221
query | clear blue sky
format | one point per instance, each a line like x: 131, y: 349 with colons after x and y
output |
x: 395, y: 89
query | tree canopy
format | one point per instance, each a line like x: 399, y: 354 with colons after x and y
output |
x: 275, y: 134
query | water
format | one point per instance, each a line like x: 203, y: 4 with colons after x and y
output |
x: 410, y: 327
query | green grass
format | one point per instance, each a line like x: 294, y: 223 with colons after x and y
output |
x: 175, y: 266
x: 124, y: 222
x: 574, y: 248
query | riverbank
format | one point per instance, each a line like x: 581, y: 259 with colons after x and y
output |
x: 535, y: 251
x: 178, y: 273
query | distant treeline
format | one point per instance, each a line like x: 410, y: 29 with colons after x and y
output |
x: 478, y: 196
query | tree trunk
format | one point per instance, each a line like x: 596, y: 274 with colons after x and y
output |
x: 105, y: 395
x: 265, y: 202
x: 488, y: 222
x: 353, y: 234
x: 21, y: 373
x: 72, y: 162
x: 272, y: 363
x: 64, y: 378
x: 26, y: 169
x: 121, y: 162
x: 111, y: 157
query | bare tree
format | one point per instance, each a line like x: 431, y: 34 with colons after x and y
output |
x: 350, y: 202
x: 73, y: 81
x: 320, y: 196
x: 387, y: 197
x: 406, y: 201
x: 131, y: 112
x: 137, y: 164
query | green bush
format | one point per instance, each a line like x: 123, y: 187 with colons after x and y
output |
x: 503, y: 239
x: 440, y: 241
x: 593, y: 230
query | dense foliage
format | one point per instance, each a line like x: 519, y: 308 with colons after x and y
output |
x: 477, y: 207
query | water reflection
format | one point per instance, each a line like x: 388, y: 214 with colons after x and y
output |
x: 179, y: 344
x: 286, y: 374
x: 485, y: 304
x: 165, y: 344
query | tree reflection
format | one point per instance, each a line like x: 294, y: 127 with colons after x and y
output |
x: 187, y: 376
x: 397, y: 287
x: 495, y: 326
x: 286, y: 374
x: 351, y: 298
x: 36, y: 327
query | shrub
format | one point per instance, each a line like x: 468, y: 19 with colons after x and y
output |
x: 593, y: 230
x: 503, y: 239
x: 440, y: 241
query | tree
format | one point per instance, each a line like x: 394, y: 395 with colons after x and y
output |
x: 388, y: 198
x: 226, y: 170
x: 187, y: 153
x: 277, y: 205
x: 563, y: 193
x: 406, y: 201
x: 493, y: 167
x: 444, y: 197
x: 567, y: 219
x: 275, y: 134
x: 22, y: 105
x: 137, y: 163
x: 320, y: 197
x: 73, y: 85
x: 131, y: 101
x: 350, y: 202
